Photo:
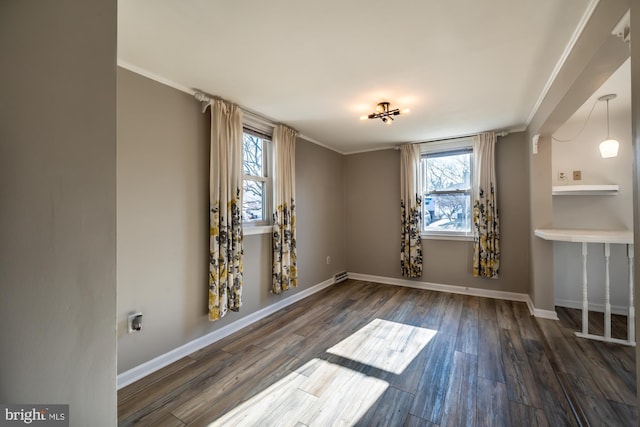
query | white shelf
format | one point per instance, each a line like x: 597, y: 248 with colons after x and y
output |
x: 585, y: 190
x: 585, y: 236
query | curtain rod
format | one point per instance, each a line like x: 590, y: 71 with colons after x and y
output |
x: 498, y: 133
x: 254, y: 117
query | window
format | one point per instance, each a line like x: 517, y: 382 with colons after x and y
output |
x: 256, y: 180
x: 447, y: 174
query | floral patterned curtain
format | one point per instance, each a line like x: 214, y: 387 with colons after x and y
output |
x: 410, y: 206
x: 225, y: 204
x: 486, y: 235
x: 285, y: 273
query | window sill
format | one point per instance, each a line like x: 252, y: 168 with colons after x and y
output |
x: 250, y: 230
x: 460, y: 237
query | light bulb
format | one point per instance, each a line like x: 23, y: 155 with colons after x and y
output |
x: 406, y: 111
x: 609, y: 148
x: 389, y: 121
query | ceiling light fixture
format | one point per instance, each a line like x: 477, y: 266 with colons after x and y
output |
x: 384, y: 113
x: 608, y: 147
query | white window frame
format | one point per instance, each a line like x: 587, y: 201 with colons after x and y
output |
x: 443, y: 147
x: 265, y: 225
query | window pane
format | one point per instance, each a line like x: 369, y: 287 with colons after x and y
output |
x: 447, y: 183
x: 448, y: 172
x: 447, y: 212
x: 253, y: 201
x: 253, y: 156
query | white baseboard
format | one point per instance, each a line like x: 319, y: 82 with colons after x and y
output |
x: 615, y: 309
x: 147, y: 368
x: 543, y: 314
x: 464, y: 290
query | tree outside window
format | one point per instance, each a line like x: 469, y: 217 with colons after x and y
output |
x: 447, y: 183
x: 255, y: 185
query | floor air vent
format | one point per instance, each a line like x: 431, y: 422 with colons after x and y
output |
x: 341, y: 277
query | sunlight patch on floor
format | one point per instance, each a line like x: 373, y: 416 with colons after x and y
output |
x: 385, y: 345
x: 320, y: 393
x: 324, y: 392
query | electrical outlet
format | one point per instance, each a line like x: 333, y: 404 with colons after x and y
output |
x: 562, y: 175
x: 577, y: 175
x: 328, y: 260
x: 134, y: 322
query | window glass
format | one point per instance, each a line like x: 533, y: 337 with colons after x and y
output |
x: 447, y: 198
x: 255, y: 203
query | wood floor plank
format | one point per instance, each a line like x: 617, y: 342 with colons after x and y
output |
x: 525, y: 321
x: 612, y: 386
x: 452, y: 313
x: 281, y: 402
x: 160, y: 417
x: 246, y: 365
x: 490, y: 363
x: 233, y: 391
x: 375, y: 299
x: 435, y: 311
x: 506, y: 317
x: 390, y: 410
x: 628, y: 414
x: 132, y: 391
x: 460, y: 400
x: 413, y: 421
x: 492, y: 404
x: 274, y: 330
x: 409, y: 380
x: 521, y: 384
x: 173, y: 385
x: 467, y: 339
x: 556, y: 408
x: 598, y: 410
x: 429, y: 399
x: 563, y: 347
x: 522, y: 415
x: 620, y: 360
x: 487, y: 309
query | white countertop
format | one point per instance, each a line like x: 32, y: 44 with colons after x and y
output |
x: 587, y: 236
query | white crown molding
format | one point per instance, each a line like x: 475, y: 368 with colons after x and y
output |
x: 313, y: 141
x: 369, y: 150
x: 155, y: 77
x: 149, y: 367
x: 253, y: 117
x: 565, y: 54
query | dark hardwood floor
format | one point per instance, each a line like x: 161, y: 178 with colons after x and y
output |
x: 367, y: 354
x: 601, y: 377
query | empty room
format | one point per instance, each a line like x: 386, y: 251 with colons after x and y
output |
x: 320, y: 213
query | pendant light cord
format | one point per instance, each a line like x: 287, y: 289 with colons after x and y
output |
x: 608, y: 120
x: 585, y: 124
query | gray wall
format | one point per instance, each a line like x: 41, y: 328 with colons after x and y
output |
x: 163, y: 153
x: 373, y: 222
x: 58, y: 215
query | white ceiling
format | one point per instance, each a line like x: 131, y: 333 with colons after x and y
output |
x: 461, y: 66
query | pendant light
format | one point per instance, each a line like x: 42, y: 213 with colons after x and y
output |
x: 608, y: 147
